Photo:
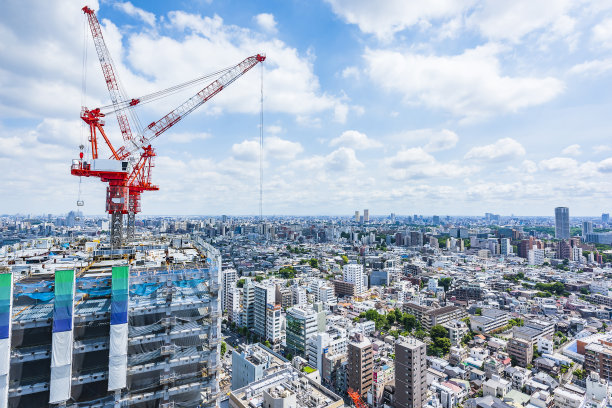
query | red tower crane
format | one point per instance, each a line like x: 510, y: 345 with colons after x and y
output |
x: 127, y: 177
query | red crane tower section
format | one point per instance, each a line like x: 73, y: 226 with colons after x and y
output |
x: 128, y: 177
x: 356, y: 398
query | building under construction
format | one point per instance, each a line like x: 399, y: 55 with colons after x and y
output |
x: 136, y: 327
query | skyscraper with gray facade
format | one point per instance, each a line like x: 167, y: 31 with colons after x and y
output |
x: 562, y: 225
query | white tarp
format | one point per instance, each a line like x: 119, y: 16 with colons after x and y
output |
x: 61, y: 345
x: 117, y: 357
x: 4, y: 390
x: 117, y: 372
x: 118, y: 339
x: 5, y: 356
x: 59, y: 387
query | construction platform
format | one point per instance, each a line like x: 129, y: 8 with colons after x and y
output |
x: 139, y: 327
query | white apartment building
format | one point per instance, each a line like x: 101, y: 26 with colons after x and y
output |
x: 230, y: 276
x: 353, y: 273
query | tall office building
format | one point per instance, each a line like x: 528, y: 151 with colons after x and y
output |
x: 410, y: 369
x: 605, y: 218
x: 562, y: 225
x: 366, y: 215
x: 353, y: 273
x: 587, y: 228
x: 302, y: 323
x: 356, y: 216
x: 265, y: 294
x: 360, y: 358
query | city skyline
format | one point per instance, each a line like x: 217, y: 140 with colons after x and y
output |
x: 425, y: 108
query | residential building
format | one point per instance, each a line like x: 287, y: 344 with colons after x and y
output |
x: 230, y: 276
x: 410, y: 368
x: 429, y: 317
x: 284, y: 296
x: 521, y: 351
x: 360, y: 364
x: 274, y: 333
x: 353, y: 273
x: 265, y: 294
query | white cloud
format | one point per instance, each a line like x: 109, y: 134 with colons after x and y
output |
x: 602, y: 33
x: 342, y: 159
x: 290, y: 85
x: 470, y: 85
x: 605, y: 166
x: 415, y: 163
x: 512, y: 20
x: 503, y: 149
x: 279, y: 148
x: 384, y: 19
x: 350, y: 72
x: 572, y: 150
x: 186, y: 137
x: 247, y: 150
x: 131, y: 10
x: 432, y: 140
x: 559, y: 164
x: 267, y: 22
x: 355, y: 140
x: 274, y: 147
x: 274, y: 129
x: 407, y: 157
x: 601, y: 148
x: 593, y: 68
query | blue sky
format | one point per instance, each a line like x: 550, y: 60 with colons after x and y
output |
x: 439, y: 107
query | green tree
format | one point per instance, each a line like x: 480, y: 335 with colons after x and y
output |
x: 267, y: 344
x: 314, y: 263
x: 420, y: 334
x: 438, y: 331
x: 240, y: 283
x: 223, y: 348
x: 445, y: 283
x: 410, y: 322
x: 478, y: 311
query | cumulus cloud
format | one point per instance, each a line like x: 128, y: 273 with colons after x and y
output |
x: 559, y: 164
x: 131, y: 10
x: 279, y: 148
x: 355, y: 140
x: 350, y: 72
x: 503, y: 149
x: 592, y: 68
x: 512, y: 20
x: 274, y: 148
x: 267, y: 22
x: 605, y: 166
x: 470, y: 85
x: 384, y: 19
x: 601, y: 148
x: 572, y: 150
x: 602, y: 33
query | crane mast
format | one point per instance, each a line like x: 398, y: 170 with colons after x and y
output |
x: 128, y: 179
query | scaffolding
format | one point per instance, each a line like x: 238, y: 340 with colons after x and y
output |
x: 154, y: 341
